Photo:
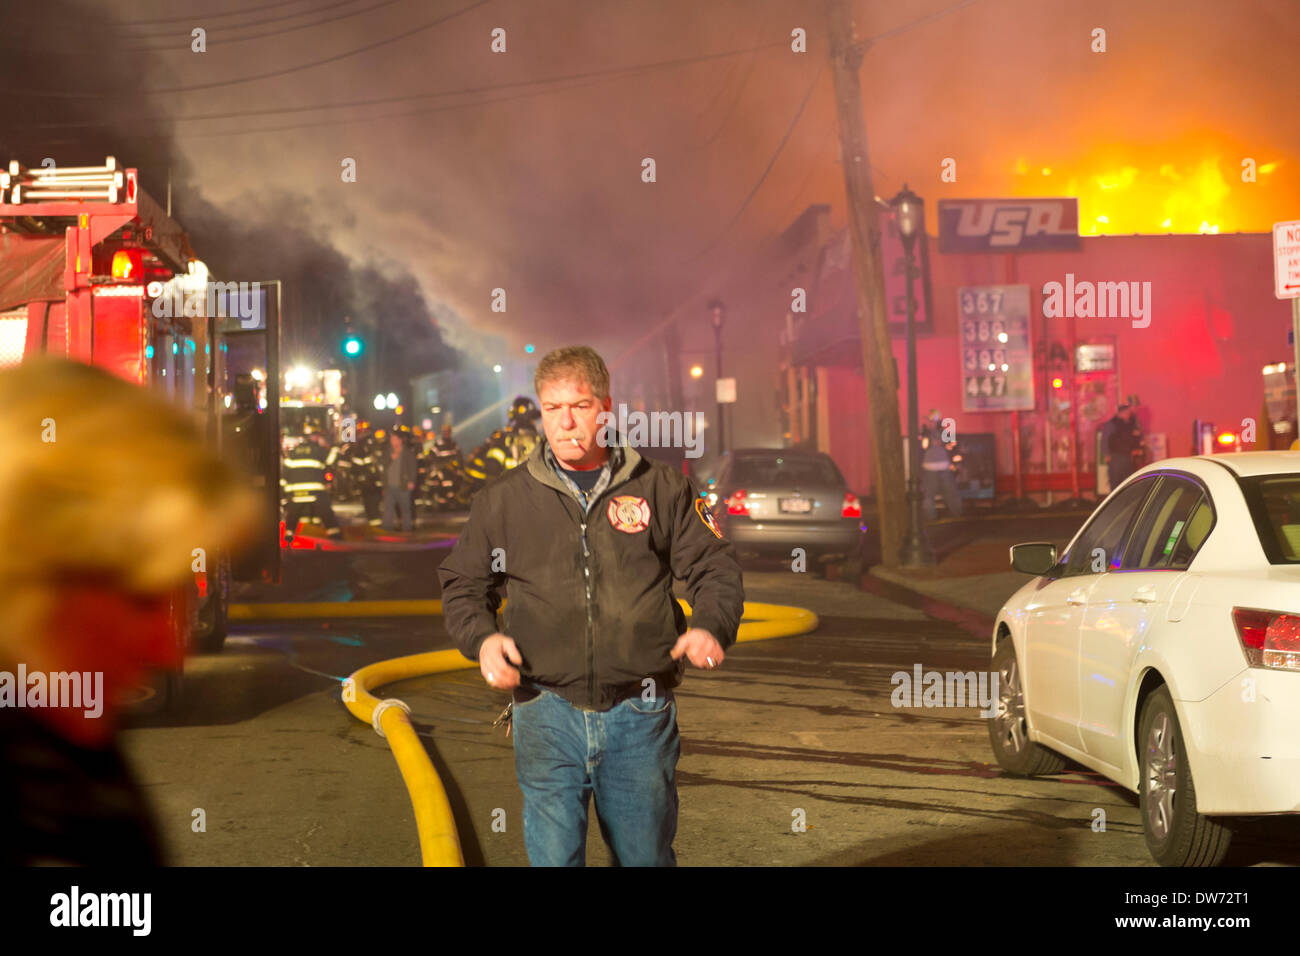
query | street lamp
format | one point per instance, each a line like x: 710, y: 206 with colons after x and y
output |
x: 909, y: 214
x: 718, y: 312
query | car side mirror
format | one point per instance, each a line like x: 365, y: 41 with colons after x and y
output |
x: 1035, y: 558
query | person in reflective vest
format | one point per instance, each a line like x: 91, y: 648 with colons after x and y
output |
x: 306, y: 488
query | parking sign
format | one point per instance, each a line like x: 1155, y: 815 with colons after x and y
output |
x: 1286, y: 260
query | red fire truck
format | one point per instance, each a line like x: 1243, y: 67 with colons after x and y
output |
x: 94, y: 269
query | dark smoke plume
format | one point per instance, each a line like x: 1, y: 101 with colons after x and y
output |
x: 70, y: 83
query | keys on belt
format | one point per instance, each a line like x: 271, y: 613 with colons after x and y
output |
x: 506, y: 718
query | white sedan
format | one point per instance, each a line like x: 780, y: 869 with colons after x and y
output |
x: 1163, y: 649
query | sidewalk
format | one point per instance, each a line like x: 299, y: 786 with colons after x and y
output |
x: 973, y: 570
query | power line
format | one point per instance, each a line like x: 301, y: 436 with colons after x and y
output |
x: 334, y: 122
x: 921, y: 21
x: 448, y: 107
x: 330, y: 59
x: 381, y: 100
x: 212, y: 16
x: 171, y: 32
x: 761, y: 179
x: 726, y: 116
x: 673, y: 316
x: 266, y: 76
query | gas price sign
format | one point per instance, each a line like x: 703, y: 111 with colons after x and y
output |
x: 996, y: 358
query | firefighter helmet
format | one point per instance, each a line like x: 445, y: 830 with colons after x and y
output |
x: 524, y: 409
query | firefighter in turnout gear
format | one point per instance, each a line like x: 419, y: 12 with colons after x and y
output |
x: 306, y: 489
x: 366, y: 470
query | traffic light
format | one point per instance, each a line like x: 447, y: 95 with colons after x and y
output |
x: 352, y: 346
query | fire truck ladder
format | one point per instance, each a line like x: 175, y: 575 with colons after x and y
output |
x: 50, y: 183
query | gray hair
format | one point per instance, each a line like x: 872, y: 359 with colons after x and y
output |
x: 575, y: 362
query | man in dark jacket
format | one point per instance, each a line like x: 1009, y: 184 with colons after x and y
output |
x: 399, y: 482
x: 1123, y: 445
x: 589, y: 535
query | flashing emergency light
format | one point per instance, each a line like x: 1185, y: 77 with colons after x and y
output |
x: 1227, y: 438
x: 352, y: 345
x: 128, y: 264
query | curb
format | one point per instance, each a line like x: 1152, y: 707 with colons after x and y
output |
x: 973, y: 622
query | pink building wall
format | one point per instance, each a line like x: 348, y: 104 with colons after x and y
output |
x: 1214, y: 324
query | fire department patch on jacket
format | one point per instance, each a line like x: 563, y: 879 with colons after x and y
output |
x: 707, y: 516
x: 629, y: 513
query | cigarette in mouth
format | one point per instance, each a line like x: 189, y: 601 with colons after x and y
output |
x: 575, y: 441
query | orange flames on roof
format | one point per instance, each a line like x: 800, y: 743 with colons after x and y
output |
x: 1171, y: 198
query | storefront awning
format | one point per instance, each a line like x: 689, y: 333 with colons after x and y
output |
x: 832, y: 336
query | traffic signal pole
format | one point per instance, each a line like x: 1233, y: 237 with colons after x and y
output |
x: 878, y: 365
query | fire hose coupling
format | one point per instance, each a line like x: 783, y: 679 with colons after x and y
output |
x: 382, y: 706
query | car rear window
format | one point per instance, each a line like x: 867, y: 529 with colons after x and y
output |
x: 787, y: 470
x: 1274, y: 503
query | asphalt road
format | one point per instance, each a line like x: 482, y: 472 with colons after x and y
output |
x: 788, y: 730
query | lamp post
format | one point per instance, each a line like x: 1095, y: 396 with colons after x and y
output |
x: 718, y: 311
x: 909, y: 213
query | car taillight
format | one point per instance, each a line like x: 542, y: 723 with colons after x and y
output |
x: 201, y: 582
x: 736, y: 504
x: 1269, y: 638
x: 852, y: 507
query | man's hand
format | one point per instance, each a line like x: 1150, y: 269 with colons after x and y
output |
x: 495, y: 656
x: 700, y: 647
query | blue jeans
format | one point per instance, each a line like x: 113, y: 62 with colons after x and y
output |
x: 398, y: 499
x: 626, y: 757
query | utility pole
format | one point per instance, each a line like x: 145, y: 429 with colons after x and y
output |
x: 878, y: 365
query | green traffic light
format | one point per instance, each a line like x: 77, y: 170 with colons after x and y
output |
x: 352, y: 345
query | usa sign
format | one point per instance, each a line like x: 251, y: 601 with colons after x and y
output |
x: 1009, y: 225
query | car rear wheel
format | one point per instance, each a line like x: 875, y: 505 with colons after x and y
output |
x: 1009, y: 727
x: 1176, y: 834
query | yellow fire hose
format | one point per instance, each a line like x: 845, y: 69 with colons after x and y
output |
x: 439, y: 841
